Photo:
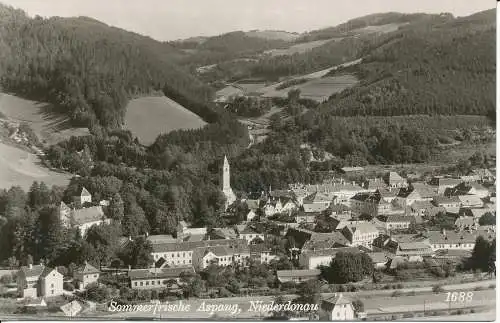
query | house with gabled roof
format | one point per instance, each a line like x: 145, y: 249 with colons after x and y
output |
x: 221, y: 255
x: 39, y: 281
x: 85, y: 218
x: 360, y: 234
x: 338, y: 308
x: 86, y: 275
x: 443, y: 183
x: 85, y: 197
x: 394, y: 180
x: 450, y: 204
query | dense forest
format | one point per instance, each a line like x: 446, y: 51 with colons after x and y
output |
x: 442, y: 68
x: 225, y: 47
x: 88, y: 69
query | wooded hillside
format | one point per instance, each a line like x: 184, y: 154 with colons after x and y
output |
x: 90, y: 70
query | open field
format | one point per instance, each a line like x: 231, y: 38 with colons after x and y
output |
x: 19, y: 167
x: 49, y: 125
x: 299, y: 48
x: 148, y: 117
x: 272, y: 34
x: 318, y: 89
x: 383, y: 29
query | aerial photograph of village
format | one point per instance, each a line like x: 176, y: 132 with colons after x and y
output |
x: 248, y: 160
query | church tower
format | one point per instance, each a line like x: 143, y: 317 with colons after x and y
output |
x: 226, y: 184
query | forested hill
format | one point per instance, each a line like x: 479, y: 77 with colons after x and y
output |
x: 442, y: 66
x: 89, y: 69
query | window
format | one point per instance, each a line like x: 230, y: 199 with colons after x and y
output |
x: 189, y: 260
x: 51, y: 285
x: 152, y: 282
x: 95, y: 276
x: 52, y: 292
x: 142, y: 284
x: 147, y: 283
x: 135, y: 283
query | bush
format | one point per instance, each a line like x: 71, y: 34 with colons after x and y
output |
x: 400, y: 286
x: 408, y: 315
x: 68, y: 286
x: 387, y: 286
x: 412, y: 293
x: 492, y: 286
x: 6, y: 279
x: 437, y: 289
x: 396, y: 293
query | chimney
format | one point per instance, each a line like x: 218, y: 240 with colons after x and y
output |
x: 147, y: 234
x: 129, y: 268
x: 129, y: 238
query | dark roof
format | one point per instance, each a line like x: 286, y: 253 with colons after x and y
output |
x: 88, y: 214
x: 172, y: 272
x: 35, y: 270
x: 88, y: 269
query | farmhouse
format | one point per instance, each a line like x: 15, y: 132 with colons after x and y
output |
x: 360, y: 234
x: 393, y: 180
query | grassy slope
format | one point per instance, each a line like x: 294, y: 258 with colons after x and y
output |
x: 49, y: 126
x: 19, y: 167
x: 147, y: 117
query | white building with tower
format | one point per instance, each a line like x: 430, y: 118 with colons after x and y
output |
x: 226, y: 184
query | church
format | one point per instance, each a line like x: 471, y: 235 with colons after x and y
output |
x: 226, y: 184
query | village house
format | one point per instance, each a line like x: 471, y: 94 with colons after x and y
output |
x: 221, y: 256
x: 360, y: 234
x: 393, y: 180
x: 312, y: 259
x: 297, y: 275
x: 443, y: 183
x: 411, y: 251
x: 476, y: 213
x: 421, y: 208
x: 156, y: 278
x: 416, y: 192
x: 250, y: 234
x: 450, y: 204
x: 397, y: 222
x: 482, y: 175
x: 338, y: 308
x: 374, y: 204
x: 262, y: 254
x: 444, y: 239
x: 181, y: 253
x: 86, y: 275
x: 39, y: 281
x: 317, y: 202
x: 375, y: 184
x: 85, y: 197
x: 82, y: 218
x: 470, y: 201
